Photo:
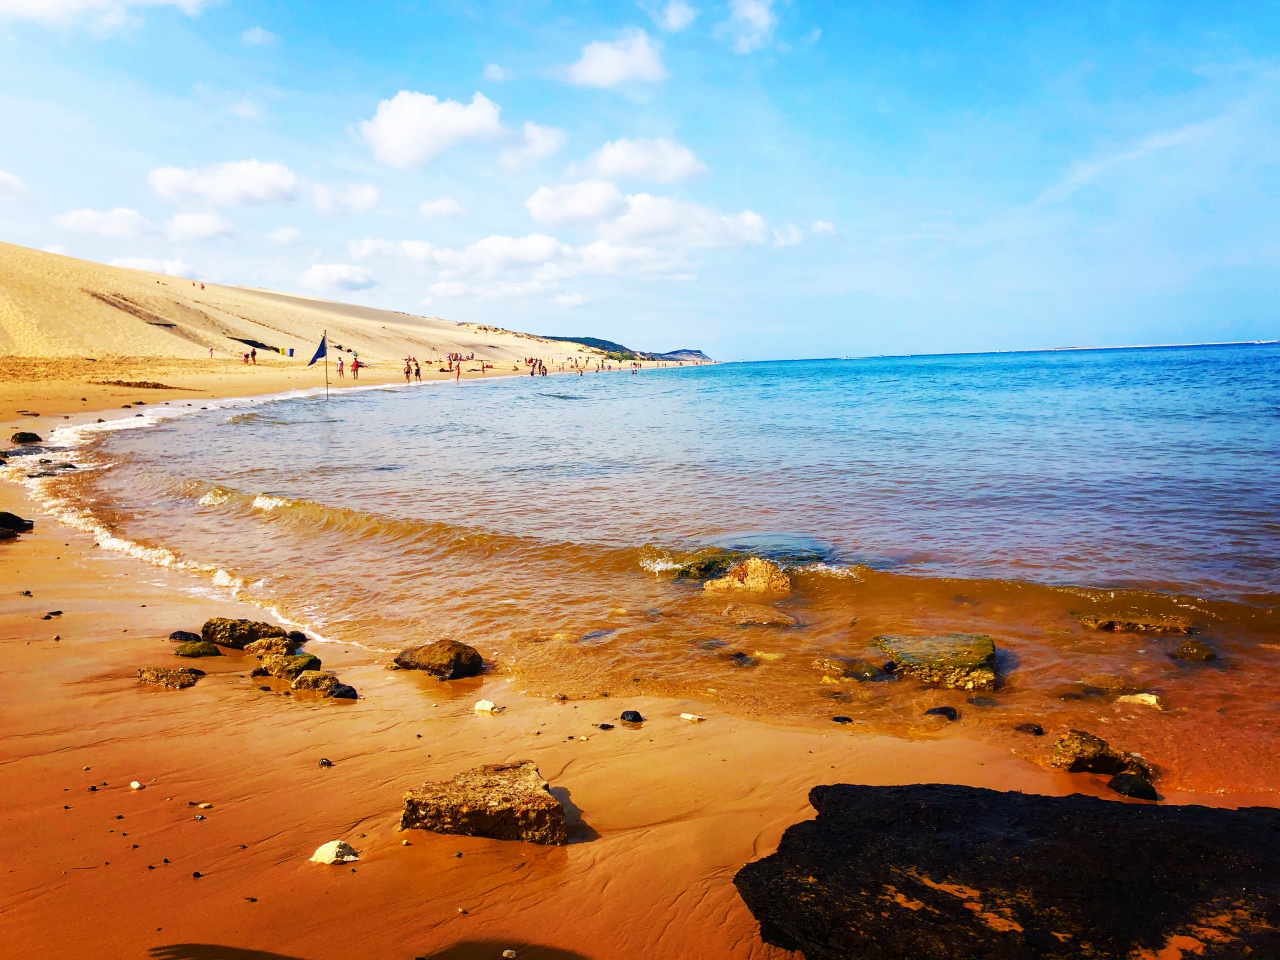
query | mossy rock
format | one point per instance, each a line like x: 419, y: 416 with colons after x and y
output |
x: 316, y: 680
x: 707, y: 563
x: 196, y: 648
x: 238, y: 634
x: 290, y: 668
x: 960, y: 661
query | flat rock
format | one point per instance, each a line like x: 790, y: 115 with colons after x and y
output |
x: 757, y: 615
x: 238, y: 634
x: 272, y: 647
x: 961, y: 661
x: 1193, y: 651
x: 11, y: 521
x: 335, y: 851
x: 754, y: 575
x: 961, y: 873
x: 290, y: 668
x: 507, y: 801
x: 444, y: 660
x: 174, y: 679
x: 26, y: 436
x: 1079, y: 751
x: 196, y: 648
x: 316, y: 680
x: 1134, y: 623
x: 706, y: 563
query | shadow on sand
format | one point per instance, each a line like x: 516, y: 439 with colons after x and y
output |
x: 212, y: 951
x: 471, y: 950
x: 579, y: 830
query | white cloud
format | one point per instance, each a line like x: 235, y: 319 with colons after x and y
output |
x: 174, y: 268
x: 244, y: 181
x: 106, y: 13
x: 258, y: 37
x: 537, y: 143
x: 633, y: 57
x: 497, y: 74
x: 337, y: 277
x: 788, y: 236
x: 587, y: 202
x: 680, y: 223
x: 412, y: 128
x: 502, y: 290
x: 570, y: 300
x: 284, y: 235
x: 56, y: 248
x: 117, y: 223
x: 823, y: 228
x: 449, y: 288
x: 442, y: 207
x: 675, y: 16
x: 662, y: 160
x: 197, y: 226
x: 10, y: 186
x: 246, y: 109
x: 751, y: 24
x: 354, y: 198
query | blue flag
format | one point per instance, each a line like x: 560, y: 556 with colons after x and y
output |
x: 321, y: 351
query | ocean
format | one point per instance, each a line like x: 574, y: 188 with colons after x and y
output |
x: 541, y: 520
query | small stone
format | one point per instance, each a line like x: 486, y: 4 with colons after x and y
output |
x: 757, y: 615
x: 602, y: 726
x: 1032, y: 728
x: 405, y: 843
x: 509, y: 955
x: 335, y: 851
x: 982, y: 701
x: 342, y: 691
x: 949, y: 712
x: 205, y: 806
x: 1133, y: 785
x: 237, y: 634
x: 326, y: 762
x: 199, y: 816
x: 742, y: 660
x: 842, y: 719
x: 692, y: 717
x: 1141, y: 699
x: 137, y: 785
x: 631, y: 716
x: 1193, y: 651
x: 185, y: 636
x: 486, y: 706
x: 197, y: 874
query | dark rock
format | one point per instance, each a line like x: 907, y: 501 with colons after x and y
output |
x: 1134, y: 623
x: 8, y: 535
x: 631, y: 716
x: 342, y: 691
x: 11, y: 521
x: 178, y: 679
x: 290, y: 668
x: 740, y: 659
x: 237, y: 634
x: 842, y: 719
x: 1193, y: 651
x: 1032, y: 728
x: 298, y: 637
x: 196, y: 648
x: 605, y: 726
x: 982, y: 702
x: 26, y: 436
x: 507, y: 801
x: 949, y: 712
x: 1133, y: 785
x: 961, y: 873
x: 444, y: 660
x: 958, y: 660
x: 326, y: 762
x: 185, y: 636
x: 1080, y: 752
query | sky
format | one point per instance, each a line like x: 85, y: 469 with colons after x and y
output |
x: 755, y: 178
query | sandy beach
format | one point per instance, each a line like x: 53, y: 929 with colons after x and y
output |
x: 661, y: 816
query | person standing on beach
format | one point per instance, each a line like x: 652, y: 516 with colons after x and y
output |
x: 253, y: 354
x: 355, y: 368
x: 417, y: 371
x: 458, y: 377
x: 341, y: 375
x: 408, y: 371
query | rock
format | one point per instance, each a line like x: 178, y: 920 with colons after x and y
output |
x: 326, y: 762
x: 757, y: 615
x: 961, y: 873
x: 8, y: 535
x: 508, y: 801
x: 316, y: 680
x: 1133, y: 785
x: 1134, y: 623
x: 444, y: 660
x: 949, y: 712
x: 959, y: 660
x: 335, y: 851
x: 984, y: 702
x: 754, y: 574
x: 26, y: 436
x: 849, y: 668
x: 509, y: 955
x: 1081, y: 752
x: 178, y: 679
x: 11, y: 521
x: 196, y: 648
x: 298, y: 637
x: 137, y: 785
x: 1109, y: 683
x: 290, y: 668
x: 706, y: 563
x: 237, y: 634
x: 1032, y: 728
x: 740, y: 659
x: 486, y: 706
x: 185, y: 636
x: 692, y: 717
x: 1193, y: 651
x: 272, y: 647
x: 342, y: 691
x: 842, y: 719
x: 1142, y: 700
x: 631, y: 716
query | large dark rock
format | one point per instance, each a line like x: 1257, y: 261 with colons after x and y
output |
x: 960, y: 873
x: 185, y: 636
x: 1078, y: 751
x: 507, y: 801
x: 444, y: 660
x: 237, y: 634
x: 26, y: 436
x: 11, y: 521
x: 957, y: 660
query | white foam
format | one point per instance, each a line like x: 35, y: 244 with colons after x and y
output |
x: 213, y: 498
x: 266, y: 502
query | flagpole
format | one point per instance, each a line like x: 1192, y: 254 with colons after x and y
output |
x: 326, y: 364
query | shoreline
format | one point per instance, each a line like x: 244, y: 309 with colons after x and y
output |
x: 659, y: 825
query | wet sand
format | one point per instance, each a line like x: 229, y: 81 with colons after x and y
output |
x: 663, y: 815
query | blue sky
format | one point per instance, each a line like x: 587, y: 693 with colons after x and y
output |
x: 755, y: 178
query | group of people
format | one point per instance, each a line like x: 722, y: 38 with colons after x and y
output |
x: 355, y: 368
x: 411, y: 370
x: 536, y: 367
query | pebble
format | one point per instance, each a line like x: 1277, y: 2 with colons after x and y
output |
x: 981, y: 701
x: 692, y: 717
x: 605, y: 726
x: 1032, y: 728
x: 842, y: 719
x: 487, y: 706
x: 335, y: 851
x: 1141, y: 699
x: 509, y: 955
x: 136, y: 785
x: 631, y: 716
x: 949, y: 712
x: 326, y: 762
